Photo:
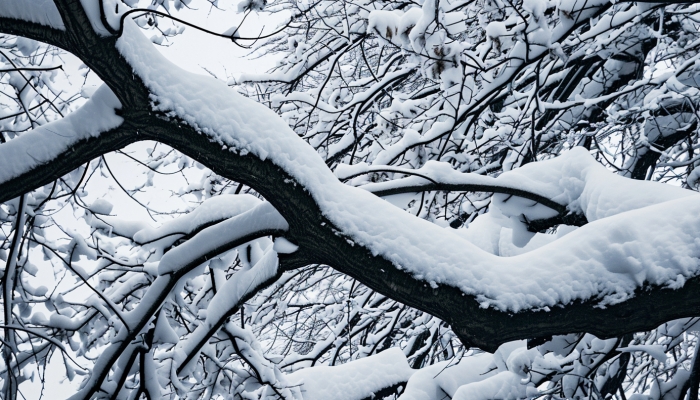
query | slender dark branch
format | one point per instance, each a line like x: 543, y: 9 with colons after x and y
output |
x: 80, y: 153
x: 450, y: 187
x: 182, y: 21
x: 32, y: 69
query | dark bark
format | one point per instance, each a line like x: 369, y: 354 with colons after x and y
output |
x: 564, y: 215
x: 394, y: 389
x: 317, y: 237
x: 484, y: 328
x: 650, y: 157
x: 694, y: 379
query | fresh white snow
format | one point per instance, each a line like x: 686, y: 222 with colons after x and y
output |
x: 355, y: 380
x: 607, y: 259
x: 44, y: 143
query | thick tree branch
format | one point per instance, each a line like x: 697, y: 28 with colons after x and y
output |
x: 319, y: 239
x: 81, y: 152
x: 476, y: 326
x: 31, y: 30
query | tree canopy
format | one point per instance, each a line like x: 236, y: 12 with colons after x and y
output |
x: 466, y: 199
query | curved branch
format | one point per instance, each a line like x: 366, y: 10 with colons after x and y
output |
x: 393, y: 187
x: 232, y: 36
x: 209, y: 243
x: 238, y: 289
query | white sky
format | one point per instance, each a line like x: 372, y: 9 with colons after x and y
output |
x: 194, y: 49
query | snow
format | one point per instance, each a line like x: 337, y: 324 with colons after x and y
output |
x: 385, y: 23
x: 284, y: 246
x: 444, y: 378
x: 482, y: 376
x: 229, y: 297
x: 212, y: 210
x: 505, y: 385
x: 260, y: 218
x: 607, y: 259
x: 42, y: 12
x: 355, y: 380
x: 655, y: 350
x: 164, y: 333
x: 394, y: 26
x: 536, y: 7
x: 101, y: 206
x: 45, y: 143
x: 92, y: 9
x: 496, y: 29
x: 580, y: 182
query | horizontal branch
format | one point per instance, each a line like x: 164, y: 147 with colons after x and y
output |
x: 420, y: 184
x: 564, y: 216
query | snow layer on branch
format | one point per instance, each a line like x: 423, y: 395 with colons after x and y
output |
x: 573, y: 179
x: 607, y: 259
x: 442, y: 379
x: 259, y: 218
x: 42, y: 12
x: 356, y: 380
x: 482, y: 376
x: 394, y: 26
x: 212, y: 210
x: 229, y: 297
x: 577, y: 180
x: 47, y: 142
x: 92, y: 9
x: 506, y: 385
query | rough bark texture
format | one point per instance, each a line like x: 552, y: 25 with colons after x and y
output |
x: 316, y: 236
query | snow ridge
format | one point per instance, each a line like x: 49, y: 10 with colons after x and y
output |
x: 608, y: 258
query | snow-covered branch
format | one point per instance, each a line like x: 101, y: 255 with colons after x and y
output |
x: 517, y: 124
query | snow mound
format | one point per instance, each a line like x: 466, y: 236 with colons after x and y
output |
x: 608, y: 259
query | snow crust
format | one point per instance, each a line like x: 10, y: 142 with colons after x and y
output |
x: 261, y: 217
x: 484, y: 376
x: 607, y: 259
x: 47, y: 142
x: 355, y: 380
x: 212, y: 210
x: 42, y: 12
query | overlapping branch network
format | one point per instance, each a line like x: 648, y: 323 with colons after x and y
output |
x: 429, y: 102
